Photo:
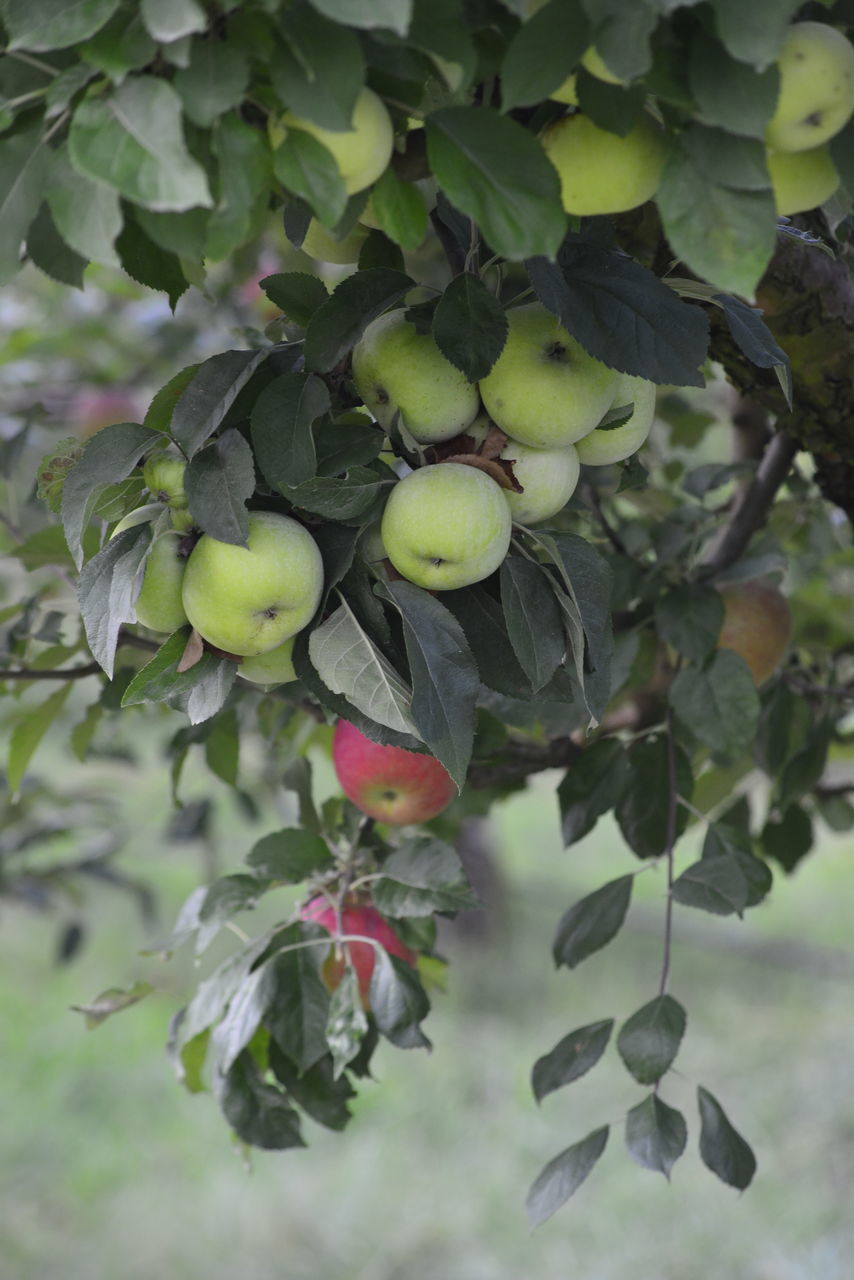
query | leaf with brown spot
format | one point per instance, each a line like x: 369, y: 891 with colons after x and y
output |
x: 193, y: 651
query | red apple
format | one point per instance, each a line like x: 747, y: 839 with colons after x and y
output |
x: 356, y: 918
x: 757, y: 626
x: 388, y: 783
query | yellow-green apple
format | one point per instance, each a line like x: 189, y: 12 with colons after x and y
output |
x: 548, y: 478
x: 163, y: 473
x: 389, y: 783
x: 325, y: 247
x: 371, y: 543
x: 361, y: 152
x: 802, y: 179
x: 757, y: 626
x: 601, y: 172
x: 397, y: 369
x: 816, y: 96
x: 446, y: 526
x: 159, y: 604
x: 612, y: 444
x: 248, y: 600
x: 359, y: 918
x: 271, y: 668
x: 544, y: 389
x: 567, y: 91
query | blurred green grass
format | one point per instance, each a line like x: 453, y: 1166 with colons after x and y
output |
x: 110, y: 1170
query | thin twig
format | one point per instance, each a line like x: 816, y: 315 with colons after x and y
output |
x: 607, y: 528
x: 752, y: 510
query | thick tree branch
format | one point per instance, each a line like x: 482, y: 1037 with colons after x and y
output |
x: 520, y: 759
x: 752, y: 509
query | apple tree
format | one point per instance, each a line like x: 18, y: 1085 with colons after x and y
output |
x: 423, y: 505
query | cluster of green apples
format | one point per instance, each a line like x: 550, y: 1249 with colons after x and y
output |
x: 448, y: 525
x: 249, y: 601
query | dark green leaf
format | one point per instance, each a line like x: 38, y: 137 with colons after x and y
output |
x: 469, y: 326
x: 542, y: 53
x: 87, y: 213
x: 214, y: 82
x: 338, y: 324
x: 28, y: 733
x: 723, y: 1150
x: 656, y: 1134
x: 400, y: 210
x: 224, y: 899
x: 754, y: 35
x: 643, y: 811
x: 622, y: 313
x: 342, y: 445
x: 533, y: 619
x: 288, y: 856
x: 718, y: 703
x: 729, y: 93
x: 349, y: 498
x: 563, y: 1176
x: 755, y: 339
x: 718, y: 885
x: 723, y: 838
x: 803, y: 770
x: 281, y: 428
x: 571, y: 1058
x: 109, y: 457
x: 592, y: 923
x: 445, y: 680
x: 494, y: 170
x: 54, y: 24
x: 593, y: 784
x: 318, y: 71
x: 258, y: 1112
x: 423, y: 876
x: 378, y: 252
x: 588, y: 579
x: 148, y: 264
x: 392, y: 14
x: 222, y: 747
x: 788, y: 838
x: 24, y: 162
x: 613, y: 107
x: 482, y: 620
x: 121, y: 46
x: 649, y: 1040
x: 297, y: 1008
x: 296, y: 293
x: 398, y: 1001
x: 207, y: 398
x: 182, y: 234
x: 244, y: 169
x: 51, y: 254
x: 689, y: 618
x: 621, y: 33
x: 200, y: 691
x: 317, y: 1091
x: 108, y: 589
x: 218, y: 482
x: 308, y: 169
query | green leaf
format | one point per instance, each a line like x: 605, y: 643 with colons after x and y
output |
x: 317, y: 1091
x: 297, y: 1008
x: 613, y: 107
x: 690, y: 618
x: 225, y: 898
x: 281, y: 428
x: 571, y: 1058
x: 482, y: 620
x: 621, y: 33
x: 593, y: 784
x: 716, y: 214
x: 752, y: 335
x: 258, y: 1112
x: 111, y: 1001
x: 533, y: 619
x: 754, y: 35
x: 218, y: 482
x: 183, y: 234
x: 445, y: 680
x: 718, y: 703
x: 87, y: 213
x: 338, y: 324
x: 342, y: 445
x: 208, y: 396
x: 132, y: 139
x: 200, y: 691
x: 123, y: 45
x: 214, y: 82
x: 718, y: 885
x: 318, y: 71
x: 723, y: 838
x: 399, y: 1003
x: 591, y: 923
x: 349, y: 663
x: 469, y: 326
x: 649, y: 1040
x: 289, y: 855
x: 347, y: 1025
x: 722, y: 1148
x: 543, y: 52
x: 788, y: 838
x: 563, y: 1176
x: 423, y: 876
x: 242, y: 188
x: 222, y: 747
x: 656, y: 1134
x: 54, y: 24
x: 588, y: 580
x: 344, y: 499
x: 51, y: 254
x: 109, y: 457
x: 306, y: 168
x: 728, y: 93
x: 642, y: 812
x: 24, y: 164
x: 148, y: 264
x: 399, y: 209
x: 392, y: 14
x: 296, y: 293
x: 28, y: 733
x: 169, y: 20
x: 107, y: 591
x: 622, y: 314
x: 803, y: 770
x: 496, y: 172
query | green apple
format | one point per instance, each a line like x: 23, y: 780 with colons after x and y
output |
x: 271, y: 668
x: 159, y: 604
x: 163, y: 473
x: 322, y: 245
x: 567, y: 91
x: 248, y: 600
x: 612, y: 444
x: 396, y: 368
x: 544, y: 389
x: 361, y: 152
x: 816, y: 96
x: 548, y: 478
x: 601, y: 172
x: 371, y: 543
x: 802, y: 179
x: 446, y: 526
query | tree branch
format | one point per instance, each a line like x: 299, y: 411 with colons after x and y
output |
x: 521, y: 759
x: 126, y: 638
x: 752, y: 510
